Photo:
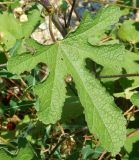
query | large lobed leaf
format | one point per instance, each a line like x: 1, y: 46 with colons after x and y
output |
x: 68, y: 57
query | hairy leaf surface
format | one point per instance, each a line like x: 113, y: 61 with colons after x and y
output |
x: 68, y: 57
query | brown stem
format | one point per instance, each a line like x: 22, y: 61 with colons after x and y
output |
x: 61, y: 128
x: 49, y: 8
x: 65, y: 22
x: 50, y: 29
x: 119, y: 75
x: 7, y: 2
x: 58, y: 25
x: 70, y: 15
x: 136, y: 111
x: 128, y: 111
x: 57, y: 145
x: 102, y: 155
x: 133, y: 132
x: 65, y: 137
x: 77, y: 15
x: 3, y: 65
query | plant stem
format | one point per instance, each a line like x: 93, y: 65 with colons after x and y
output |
x: 7, y: 2
x: 58, y: 25
x: 65, y: 22
x: 3, y: 141
x: 133, y: 132
x: 136, y: 111
x: 119, y: 75
x: 58, y: 144
x: 70, y: 14
x: 65, y: 137
x: 55, y: 18
x: 126, y: 113
x: 102, y: 155
x: 77, y: 15
x: 3, y: 65
x: 134, y: 3
x: 50, y: 29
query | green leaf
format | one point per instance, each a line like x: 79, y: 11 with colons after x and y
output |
x: 129, y: 31
x: 18, y: 30
x: 63, y: 5
x: 88, y: 152
x: 17, y: 46
x: 68, y: 57
x: 25, y: 152
x: 3, y: 58
x: 71, y: 109
x: 117, y: 58
x: 135, y: 99
x: 33, y: 20
x: 131, y: 146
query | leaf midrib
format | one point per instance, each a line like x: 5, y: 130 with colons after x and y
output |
x: 88, y: 94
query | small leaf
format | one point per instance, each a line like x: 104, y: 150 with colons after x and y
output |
x: 135, y: 99
x: 129, y: 31
x: 18, y: 30
x: 131, y: 146
x: 63, y: 5
x: 25, y: 152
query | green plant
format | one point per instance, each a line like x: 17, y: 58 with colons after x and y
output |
x: 69, y: 76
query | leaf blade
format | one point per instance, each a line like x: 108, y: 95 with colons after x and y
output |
x: 98, y: 112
